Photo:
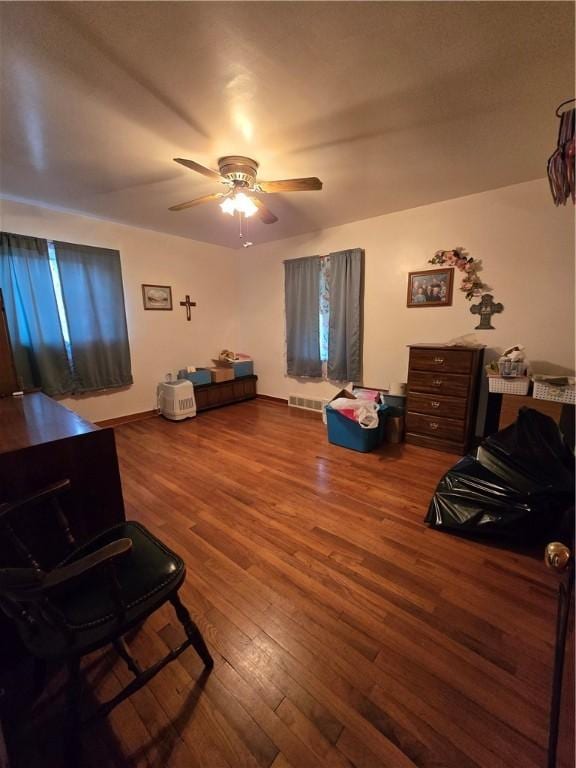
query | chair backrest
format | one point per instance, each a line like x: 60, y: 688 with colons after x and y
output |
x: 15, y: 583
x: 29, y: 593
x: 21, y: 579
x: 37, y: 517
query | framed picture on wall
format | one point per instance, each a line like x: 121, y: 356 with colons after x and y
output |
x: 157, y: 296
x: 430, y: 288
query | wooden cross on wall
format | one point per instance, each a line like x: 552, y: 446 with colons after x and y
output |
x: 188, y: 304
x: 486, y: 308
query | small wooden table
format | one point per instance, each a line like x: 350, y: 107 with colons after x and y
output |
x: 507, y: 406
x: 511, y: 404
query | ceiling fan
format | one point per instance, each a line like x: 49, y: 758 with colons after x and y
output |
x: 238, y: 174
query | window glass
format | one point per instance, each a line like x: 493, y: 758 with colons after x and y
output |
x: 324, y: 318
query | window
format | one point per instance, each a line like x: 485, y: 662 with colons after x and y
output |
x: 324, y: 316
x: 56, y: 284
x: 65, y: 312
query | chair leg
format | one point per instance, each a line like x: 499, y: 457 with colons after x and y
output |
x: 123, y: 652
x: 72, y: 748
x: 192, y: 631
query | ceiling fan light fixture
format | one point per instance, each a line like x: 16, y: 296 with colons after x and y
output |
x: 228, y: 206
x: 245, y: 204
x: 240, y: 203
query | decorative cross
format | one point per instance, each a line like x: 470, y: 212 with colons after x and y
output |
x: 188, y: 304
x: 486, y: 308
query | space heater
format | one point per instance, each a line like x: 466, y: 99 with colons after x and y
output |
x: 176, y: 400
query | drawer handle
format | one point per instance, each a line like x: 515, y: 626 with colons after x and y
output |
x: 434, y: 425
x: 435, y: 404
x: 437, y: 382
x: 439, y: 360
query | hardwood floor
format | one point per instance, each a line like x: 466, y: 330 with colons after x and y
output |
x: 344, y: 631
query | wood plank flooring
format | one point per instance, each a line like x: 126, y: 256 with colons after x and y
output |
x: 345, y: 632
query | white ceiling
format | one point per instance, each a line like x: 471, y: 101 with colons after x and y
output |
x: 392, y: 104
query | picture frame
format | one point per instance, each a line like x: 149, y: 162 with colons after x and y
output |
x: 157, y: 297
x: 430, y: 288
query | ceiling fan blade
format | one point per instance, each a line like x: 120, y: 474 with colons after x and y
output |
x: 263, y: 213
x: 311, y: 184
x: 199, y: 168
x: 197, y: 201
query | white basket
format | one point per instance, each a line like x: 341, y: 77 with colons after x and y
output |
x: 545, y: 391
x: 510, y: 386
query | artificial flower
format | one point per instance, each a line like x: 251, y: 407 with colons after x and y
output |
x: 471, y: 283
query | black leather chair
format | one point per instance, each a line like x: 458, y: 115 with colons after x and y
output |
x: 96, y: 594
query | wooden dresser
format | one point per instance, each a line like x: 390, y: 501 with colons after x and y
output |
x: 442, y: 402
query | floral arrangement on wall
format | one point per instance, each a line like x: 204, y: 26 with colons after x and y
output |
x: 472, y: 285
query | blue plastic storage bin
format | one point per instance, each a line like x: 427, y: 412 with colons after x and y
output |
x: 349, y: 434
x: 243, y: 368
x: 197, y: 378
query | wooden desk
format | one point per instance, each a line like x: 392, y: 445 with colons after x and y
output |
x: 42, y: 442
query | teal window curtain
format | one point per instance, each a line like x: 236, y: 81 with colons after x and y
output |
x: 32, y: 314
x: 91, y: 283
x: 302, y: 297
x: 345, y: 325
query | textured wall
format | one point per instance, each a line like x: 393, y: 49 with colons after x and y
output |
x: 159, y: 341
x: 527, y: 249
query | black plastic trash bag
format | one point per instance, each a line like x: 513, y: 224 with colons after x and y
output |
x: 535, y: 447
x: 517, y: 485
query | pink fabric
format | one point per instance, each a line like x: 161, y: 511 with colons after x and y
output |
x: 350, y: 413
x: 372, y: 395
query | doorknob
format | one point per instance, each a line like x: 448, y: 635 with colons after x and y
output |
x: 557, y: 556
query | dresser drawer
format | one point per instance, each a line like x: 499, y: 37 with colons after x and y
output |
x: 438, y: 383
x: 437, y: 405
x: 444, y: 429
x: 448, y: 360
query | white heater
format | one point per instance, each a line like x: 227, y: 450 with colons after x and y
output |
x: 176, y: 400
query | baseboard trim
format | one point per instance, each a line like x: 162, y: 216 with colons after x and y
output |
x: 149, y: 414
x: 126, y: 419
x: 270, y: 399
